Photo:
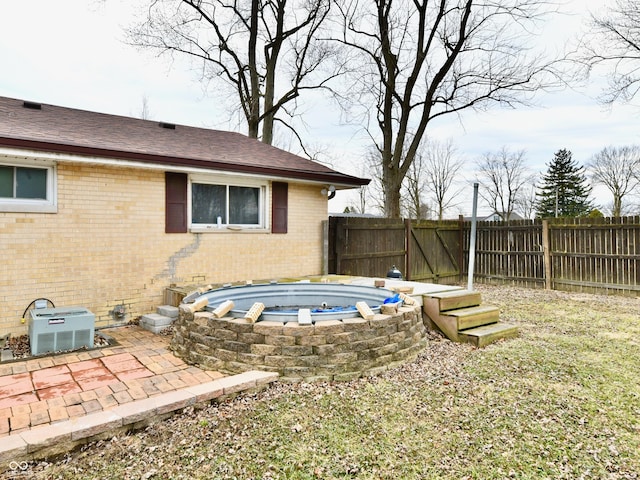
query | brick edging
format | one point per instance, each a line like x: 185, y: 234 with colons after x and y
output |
x: 60, y: 437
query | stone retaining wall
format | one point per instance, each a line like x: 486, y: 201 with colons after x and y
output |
x: 329, y: 350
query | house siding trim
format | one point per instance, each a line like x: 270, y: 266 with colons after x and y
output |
x: 337, y: 179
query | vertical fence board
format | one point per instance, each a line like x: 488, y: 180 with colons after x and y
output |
x: 590, y: 255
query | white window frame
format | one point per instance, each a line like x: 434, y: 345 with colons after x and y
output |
x: 29, y: 205
x: 228, y: 181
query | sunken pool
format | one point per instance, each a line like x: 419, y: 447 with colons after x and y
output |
x: 282, y: 301
x: 337, y: 344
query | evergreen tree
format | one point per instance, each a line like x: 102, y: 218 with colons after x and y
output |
x: 564, y: 191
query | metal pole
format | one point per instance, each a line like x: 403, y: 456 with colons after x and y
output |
x: 472, y: 240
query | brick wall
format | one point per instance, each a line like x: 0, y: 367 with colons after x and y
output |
x: 106, y: 246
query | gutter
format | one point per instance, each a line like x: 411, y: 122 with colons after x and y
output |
x: 120, y: 158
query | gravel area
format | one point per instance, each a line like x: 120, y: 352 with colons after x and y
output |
x: 21, y: 349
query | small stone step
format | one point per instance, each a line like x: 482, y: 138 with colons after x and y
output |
x: 456, y: 299
x: 155, y: 330
x: 482, y: 336
x: 6, y: 355
x: 474, y: 316
x: 155, y: 320
x: 168, y: 311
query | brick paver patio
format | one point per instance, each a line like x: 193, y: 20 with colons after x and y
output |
x: 47, y: 390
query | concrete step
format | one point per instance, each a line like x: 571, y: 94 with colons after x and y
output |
x: 155, y: 330
x: 156, y: 320
x: 168, y: 311
x: 156, y: 323
x: 486, y: 334
x: 6, y: 355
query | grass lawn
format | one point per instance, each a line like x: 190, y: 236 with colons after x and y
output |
x: 561, y: 401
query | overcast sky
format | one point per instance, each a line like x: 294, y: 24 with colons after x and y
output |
x: 70, y: 53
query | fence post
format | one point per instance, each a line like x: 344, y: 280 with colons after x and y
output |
x: 407, y: 248
x: 460, y: 247
x: 472, y: 238
x: 546, y: 251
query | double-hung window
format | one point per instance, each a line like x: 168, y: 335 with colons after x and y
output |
x: 217, y: 205
x: 27, y: 187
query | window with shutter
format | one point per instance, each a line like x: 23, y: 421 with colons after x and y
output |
x: 216, y: 206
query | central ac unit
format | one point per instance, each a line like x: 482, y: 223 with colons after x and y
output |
x: 60, y: 329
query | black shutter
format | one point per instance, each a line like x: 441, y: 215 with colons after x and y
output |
x: 279, y: 208
x: 175, y: 202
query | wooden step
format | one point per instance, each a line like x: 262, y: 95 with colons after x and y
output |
x: 474, y: 316
x: 482, y: 336
x: 455, y: 299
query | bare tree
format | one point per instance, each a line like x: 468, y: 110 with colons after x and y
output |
x: 504, y: 177
x: 145, y: 112
x: 613, y: 42
x: 526, y: 203
x: 442, y: 168
x: 419, y: 60
x: 414, y: 188
x: 361, y: 205
x: 618, y: 170
x: 266, y: 51
x: 372, y: 194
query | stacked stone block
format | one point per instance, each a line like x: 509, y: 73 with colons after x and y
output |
x: 331, y: 350
x: 161, y: 320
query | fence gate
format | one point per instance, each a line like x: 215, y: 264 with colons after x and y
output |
x: 366, y: 247
x: 433, y: 251
x: 424, y: 251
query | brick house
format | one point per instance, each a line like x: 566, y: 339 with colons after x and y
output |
x: 102, y: 211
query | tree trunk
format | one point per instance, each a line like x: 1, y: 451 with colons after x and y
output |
x: 392, y: 181
x: 617, y: 206
x: 253, y: 122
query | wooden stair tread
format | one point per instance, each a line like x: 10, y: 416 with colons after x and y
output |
x: 469, y: 311
x: 470, y: 317
x: 486, y: 334
x: 460, y: 315
x: 456, y: 299
x: 449, y: 294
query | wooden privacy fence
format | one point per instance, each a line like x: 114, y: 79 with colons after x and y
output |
x: 507, y: 251
x: 423, y: 250
x: 587, y: 254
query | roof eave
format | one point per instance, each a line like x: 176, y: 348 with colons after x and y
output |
x: 338, y: 178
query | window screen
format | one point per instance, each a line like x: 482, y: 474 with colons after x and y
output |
x: 6, y: 182
x: 31, y: 183
x: 243, y: 205
x: 232, y: 204
x: 208, y: 202
x: 23, y: 182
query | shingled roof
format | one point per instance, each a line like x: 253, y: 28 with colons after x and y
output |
x: 50, y: 128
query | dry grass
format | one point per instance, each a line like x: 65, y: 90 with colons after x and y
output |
x: 562, y: 401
